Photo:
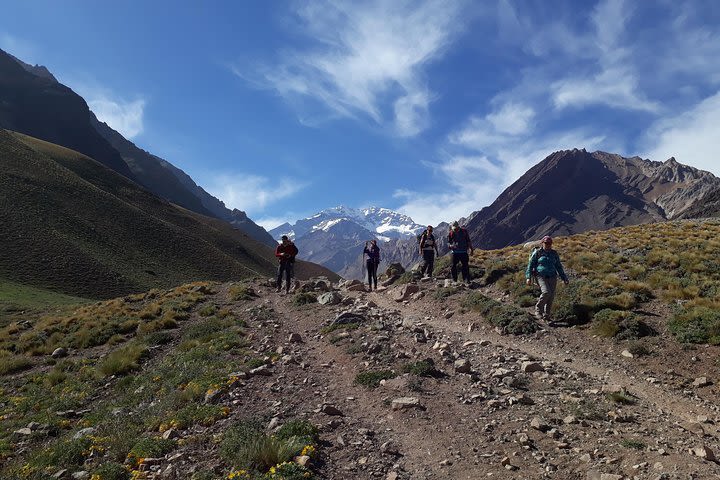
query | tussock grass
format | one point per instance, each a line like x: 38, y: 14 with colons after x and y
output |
x: 246, y: 446
x: 124, y: 360
x: 304, y: 298
x: 512, y: 319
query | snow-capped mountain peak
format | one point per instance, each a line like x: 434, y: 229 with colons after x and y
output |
x: 382, y: 223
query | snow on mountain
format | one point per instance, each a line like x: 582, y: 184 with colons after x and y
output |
x: 382, y: 223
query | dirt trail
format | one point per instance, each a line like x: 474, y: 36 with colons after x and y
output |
x: 560, y: 345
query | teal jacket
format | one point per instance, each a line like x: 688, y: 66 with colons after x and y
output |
x: 546, y: 263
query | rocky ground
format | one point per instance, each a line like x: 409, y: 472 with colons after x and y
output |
x: 404, y: 383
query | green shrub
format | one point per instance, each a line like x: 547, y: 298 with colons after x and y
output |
x: 622, y: 397
x: 241, y: 292
x: 304, y: 298
x: 207, y: 310
x: 639, y: 349
x: 620, y: 324
x: 112, y: 471
x: 152, y: 447
x: 696, y: 325
x: 373, y: 379
x: 301, y: 429
x: 512, y: 319
x: 422, y: 368
x: 634, y: 444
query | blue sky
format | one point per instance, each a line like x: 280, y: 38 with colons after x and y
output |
x: 431, y: 108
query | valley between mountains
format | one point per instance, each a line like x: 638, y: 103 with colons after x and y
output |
x: 422, y: 379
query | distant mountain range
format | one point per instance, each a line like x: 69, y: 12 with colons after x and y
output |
x: 335, y: 237
x: 34, y: 103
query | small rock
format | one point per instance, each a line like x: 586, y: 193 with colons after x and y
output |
x: 261, y: 370
x: 627, y: 354
x: 530, y: 367
x: 701, y: 382
x: 703, y: 452
x: 539, y: 424
x: 389, y: 448
x: 23, y: 432
x: 331, y: 410
x: 295, y: 338
x: 81, y: 475
x: 59, y: 353
x: 462, y: 366
x: 404, y: 403
x: 391, y: 476
x: 60, y: 473
x: 302, y: 460
x: 85, y: 432
x: 570, y: 420
x: 170, y: 434
x: 212, y: 396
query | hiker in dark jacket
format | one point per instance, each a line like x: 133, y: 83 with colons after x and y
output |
x: 285, y: 252
x: 460, y: 245
x: 545, y: 266
x: 372, y: 262
x: 428, y: 249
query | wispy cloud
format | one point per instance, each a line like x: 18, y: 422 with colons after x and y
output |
x: 615, y: 80
x: 366, y: 60
x: 252, y: 193
x: 691, y: 137
x: 124, y: 116
x: 485, y: 156
x: 17, y: 47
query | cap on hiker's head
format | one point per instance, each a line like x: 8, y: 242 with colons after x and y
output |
x: 284, y: 237
x: 546, y: 239
x: 456, y: 224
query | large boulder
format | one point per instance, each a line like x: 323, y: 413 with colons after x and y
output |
x: 394, y: 269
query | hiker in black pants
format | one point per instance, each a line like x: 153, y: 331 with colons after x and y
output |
x: 285, y: 252
x: 373, y: 260
x: 459, y: 243
x: 428, y: 249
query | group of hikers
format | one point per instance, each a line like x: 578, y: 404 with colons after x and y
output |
x: 544, y: 265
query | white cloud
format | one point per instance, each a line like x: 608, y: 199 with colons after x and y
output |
x: 368, y: 59
x: 690, y: 137
x: 615, y: 87
x: 513, y: 118
x: 252, y: 193
x: 484, y: 157
x: 615, y: 82
x: 124, y: 116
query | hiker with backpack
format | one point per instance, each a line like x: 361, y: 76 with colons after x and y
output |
x: 285, y: 253
x: 459, y: 243
x: 428, y: 249
x: 373, y: 260
x: 545, y: 266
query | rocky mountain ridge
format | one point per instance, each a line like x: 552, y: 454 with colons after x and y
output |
x: 33, y: 102
x: 573, y: 191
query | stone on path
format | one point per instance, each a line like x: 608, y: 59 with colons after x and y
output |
x: 404, y: 403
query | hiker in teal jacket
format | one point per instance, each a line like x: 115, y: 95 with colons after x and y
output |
x: 545, y: 266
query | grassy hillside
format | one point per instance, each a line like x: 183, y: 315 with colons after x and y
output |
x: 74, y: 226
x: 617, y: 275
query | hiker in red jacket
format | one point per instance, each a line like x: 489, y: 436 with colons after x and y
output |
x: 285, y: 252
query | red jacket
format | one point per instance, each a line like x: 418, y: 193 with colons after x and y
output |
x: 286, y: 252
